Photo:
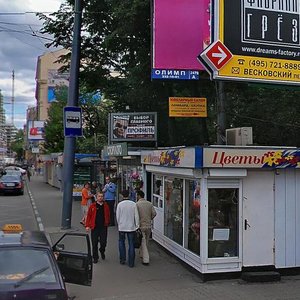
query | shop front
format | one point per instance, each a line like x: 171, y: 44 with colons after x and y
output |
x: 129, y: 168
x: 223, y: 209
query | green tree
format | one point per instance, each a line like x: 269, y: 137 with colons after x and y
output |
x: 17, y: 145
x: 116, y: 58
x: 54, y: 127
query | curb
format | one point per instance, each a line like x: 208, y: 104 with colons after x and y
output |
x: 35, y: 210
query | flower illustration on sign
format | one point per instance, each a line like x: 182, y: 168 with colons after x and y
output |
x: 282, y: 159
x: 171, y: 158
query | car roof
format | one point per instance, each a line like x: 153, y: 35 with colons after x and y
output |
x: 24, y: 239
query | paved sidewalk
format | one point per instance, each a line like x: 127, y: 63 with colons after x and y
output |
x: 165, y: 278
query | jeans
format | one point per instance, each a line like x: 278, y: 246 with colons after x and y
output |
x: 122, y: 247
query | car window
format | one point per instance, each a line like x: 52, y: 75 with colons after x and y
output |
x: 10, y: 178
x: 73, y: 244
x: 16, y: 264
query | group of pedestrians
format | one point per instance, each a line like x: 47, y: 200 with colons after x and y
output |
x: 99, y: 214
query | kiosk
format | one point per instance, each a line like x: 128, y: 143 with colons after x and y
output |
x: 224, y: 208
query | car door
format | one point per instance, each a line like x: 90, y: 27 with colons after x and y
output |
x: 73, y: 254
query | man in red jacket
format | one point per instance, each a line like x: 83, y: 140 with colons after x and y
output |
x: 98, y: 219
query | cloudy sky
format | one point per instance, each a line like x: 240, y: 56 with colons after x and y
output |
x: 19, y: 51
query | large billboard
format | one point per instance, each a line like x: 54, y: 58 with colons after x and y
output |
x: 35, y: 130
x: 180, y: 33
x: 263, y: 38
x: 56, y: 79
x: 140, y: 126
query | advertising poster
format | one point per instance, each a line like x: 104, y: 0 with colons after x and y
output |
x: 56, y: 79
x: 180, y: 33
x: 133, y: 126
x: 35, y: 130
x: 263, y: 37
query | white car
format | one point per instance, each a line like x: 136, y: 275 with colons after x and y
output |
x: 23, y: 172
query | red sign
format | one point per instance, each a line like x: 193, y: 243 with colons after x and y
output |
x: 217, y: 55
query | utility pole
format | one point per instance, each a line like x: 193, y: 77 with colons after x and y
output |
x: 70, y: 142
x: 13, y: 99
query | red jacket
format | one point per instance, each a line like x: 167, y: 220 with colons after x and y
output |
x: 91, y: 215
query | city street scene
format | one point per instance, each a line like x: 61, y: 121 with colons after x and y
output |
x: 150, y: 149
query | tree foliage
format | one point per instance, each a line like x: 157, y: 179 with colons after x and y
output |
x: 116, y: 58
x: 17, y: 145
x: 94, y: 115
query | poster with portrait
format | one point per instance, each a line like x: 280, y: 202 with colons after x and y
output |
x: 133, y: 126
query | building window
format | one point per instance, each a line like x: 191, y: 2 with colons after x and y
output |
x: 193, y: 216
x: 173, y: 209
x: 223, y: 206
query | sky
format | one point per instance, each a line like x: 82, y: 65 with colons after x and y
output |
x: 19, y: 51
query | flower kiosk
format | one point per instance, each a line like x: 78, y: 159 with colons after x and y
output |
x: 224, y: 208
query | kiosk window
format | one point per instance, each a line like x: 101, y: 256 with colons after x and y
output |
x: 193, y: 216
x: 223, y: 222
x: 157, y: 190
x: 173, y: 209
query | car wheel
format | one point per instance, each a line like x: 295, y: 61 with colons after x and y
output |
x: 21, y: 192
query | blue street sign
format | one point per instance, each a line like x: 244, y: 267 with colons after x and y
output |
x: 174, y: 74
x: 72, y: 121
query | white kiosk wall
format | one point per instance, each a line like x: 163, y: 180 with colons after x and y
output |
x: 258, y: 218
x: 287, y: 216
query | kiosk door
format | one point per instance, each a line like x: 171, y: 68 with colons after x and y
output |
x: 258, y: 218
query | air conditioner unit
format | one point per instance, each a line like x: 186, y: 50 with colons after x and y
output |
x: 239, y: 136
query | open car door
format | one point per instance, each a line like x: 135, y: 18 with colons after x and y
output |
x: 74, y: 258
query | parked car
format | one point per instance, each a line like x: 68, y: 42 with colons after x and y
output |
x: 32, y: 269
x: 13, y: 172
x: 23, y: 171
x: 11, y: 184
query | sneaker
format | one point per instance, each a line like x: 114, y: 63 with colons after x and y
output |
x: 103, y: 255
x: 82, y: 223
x: 145, y: 264
x: 95, y: 261
x: 122, y: 262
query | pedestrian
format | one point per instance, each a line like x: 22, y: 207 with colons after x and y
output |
x: 147, y: 213
x: 94, y: 190
x: 85, y: 197
x: 97, y: 219
x: 28, y: 174
x: 109, y: 191
x: 128, y: 221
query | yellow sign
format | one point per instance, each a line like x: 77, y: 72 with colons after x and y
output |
x: 187, y: 107
x: 262, y: 68
x: 264, y: 40
x: 12, y: 228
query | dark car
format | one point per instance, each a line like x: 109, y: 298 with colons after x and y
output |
x: 31, y: 269
x: 11, y: 184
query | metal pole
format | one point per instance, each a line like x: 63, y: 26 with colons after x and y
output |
x: 70, y: 142
x: 221, y: 117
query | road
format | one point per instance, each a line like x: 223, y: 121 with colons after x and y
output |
x: 164, y: 279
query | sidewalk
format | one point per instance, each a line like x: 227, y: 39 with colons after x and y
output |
x: 165, y: 278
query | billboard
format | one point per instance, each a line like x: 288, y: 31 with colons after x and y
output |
x: 35, y: 130
x: 55, y: 79
x: 263, y: 38
x: 140, y: 126
x: 180, y: 33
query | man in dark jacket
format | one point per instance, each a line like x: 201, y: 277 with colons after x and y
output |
x: 98, y: 219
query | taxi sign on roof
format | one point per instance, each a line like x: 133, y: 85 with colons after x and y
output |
x: 12, y: 228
